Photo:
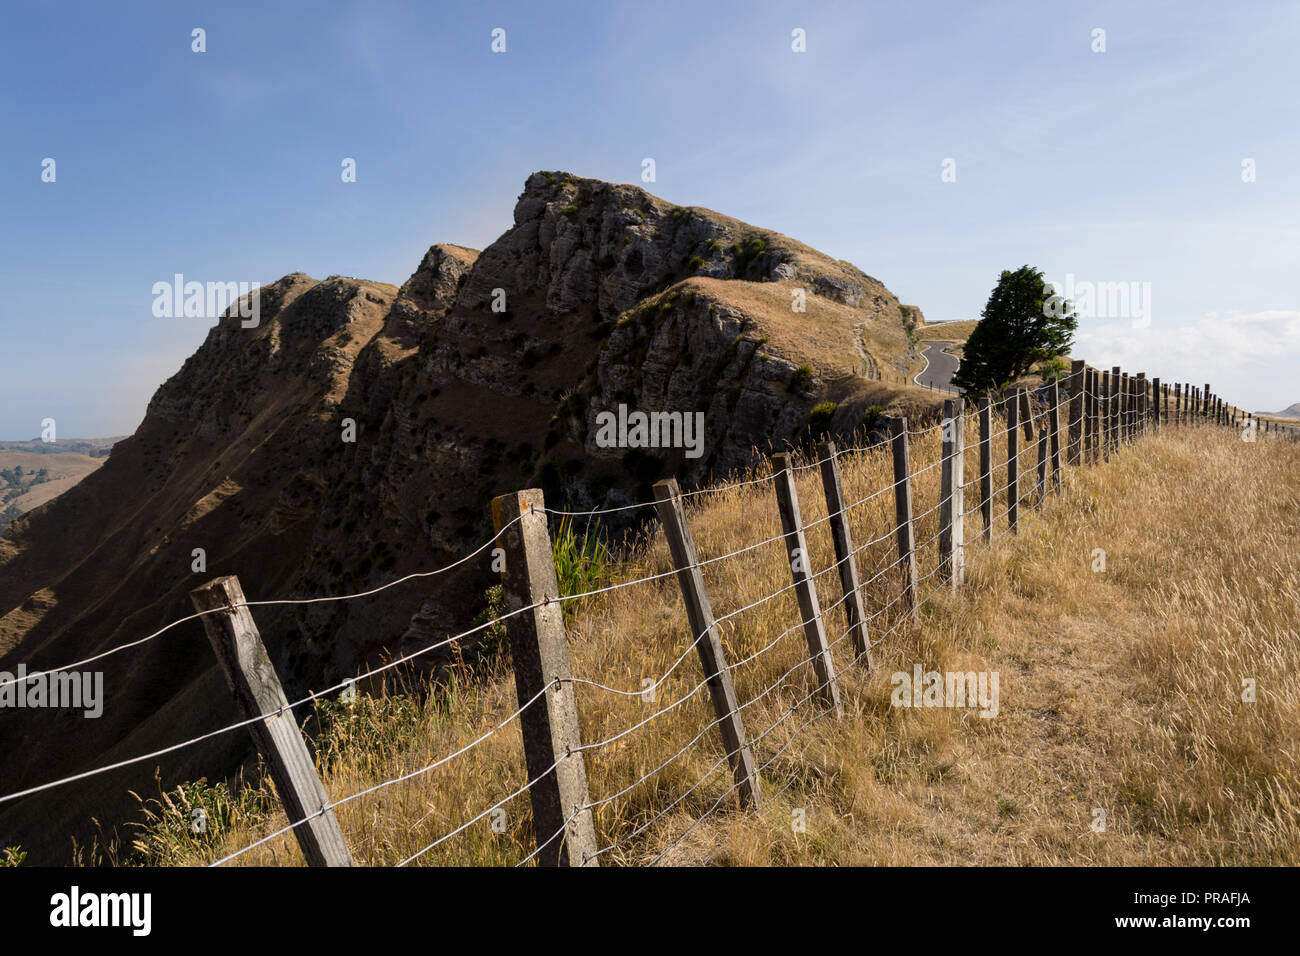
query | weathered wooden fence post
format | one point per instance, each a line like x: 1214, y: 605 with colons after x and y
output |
x: 952, y: 566
x: 1054, y: 431
x: 1112, y: 412
x: 1085, y: 456
x: 1101, y: 402
x: 1133, y: 408
x: 1099, y: 406
x: 805, y: 588
x: 1092, y: 395
x: 845, y: 560
x: 1043, y: 429
x: 1178, y: 403
x: 1140, y: 404
x: 986, y: 466
x: 539, y: 653
x: 1157, y: 396
x: 1013, y: 464
x: 252, y: 679
x: 1123, y: 407
x: 903, y: 512
x: 708, y: 641
x: 1074, y: 418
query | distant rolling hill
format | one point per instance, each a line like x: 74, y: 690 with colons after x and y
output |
x: 34, y: 472
x: 1291, y: 412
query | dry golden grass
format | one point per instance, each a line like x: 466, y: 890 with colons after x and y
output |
x: 1120, y: 690
x: 958, y: 330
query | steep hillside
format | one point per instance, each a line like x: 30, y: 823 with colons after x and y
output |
x: 484, y: 373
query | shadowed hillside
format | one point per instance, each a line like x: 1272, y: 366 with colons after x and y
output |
x: 484, y: 373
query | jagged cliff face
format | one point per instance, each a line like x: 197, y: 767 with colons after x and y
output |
x: 486, y: 372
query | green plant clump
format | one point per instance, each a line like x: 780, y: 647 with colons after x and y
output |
x: 819, y: 419
x: 801, y: 377
x: 582, y: 561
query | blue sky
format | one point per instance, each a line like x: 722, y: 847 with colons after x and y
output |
x: 1120, y: 166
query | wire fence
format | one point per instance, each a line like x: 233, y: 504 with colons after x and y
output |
x: 783, y: 685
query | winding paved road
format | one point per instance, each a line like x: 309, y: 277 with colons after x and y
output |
x: 940, y: 367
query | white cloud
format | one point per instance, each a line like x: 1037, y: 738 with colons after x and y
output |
x: 1250, y: 358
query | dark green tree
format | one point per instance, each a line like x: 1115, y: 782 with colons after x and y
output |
x: 1023, y: 323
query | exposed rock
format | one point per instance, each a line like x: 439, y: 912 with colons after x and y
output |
x: 611, y: 296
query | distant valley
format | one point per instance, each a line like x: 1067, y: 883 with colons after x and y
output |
x: 34, y: 472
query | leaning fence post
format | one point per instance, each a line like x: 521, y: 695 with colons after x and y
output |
x: 539, y: 652
x: 986, y: 466
x: 952, y: 495
x: 252, y: 679
x: 796, y: 553
x: 903, y: 511
x: 708, y: 641
x: 1074, y: 448
x: 844, y: 557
